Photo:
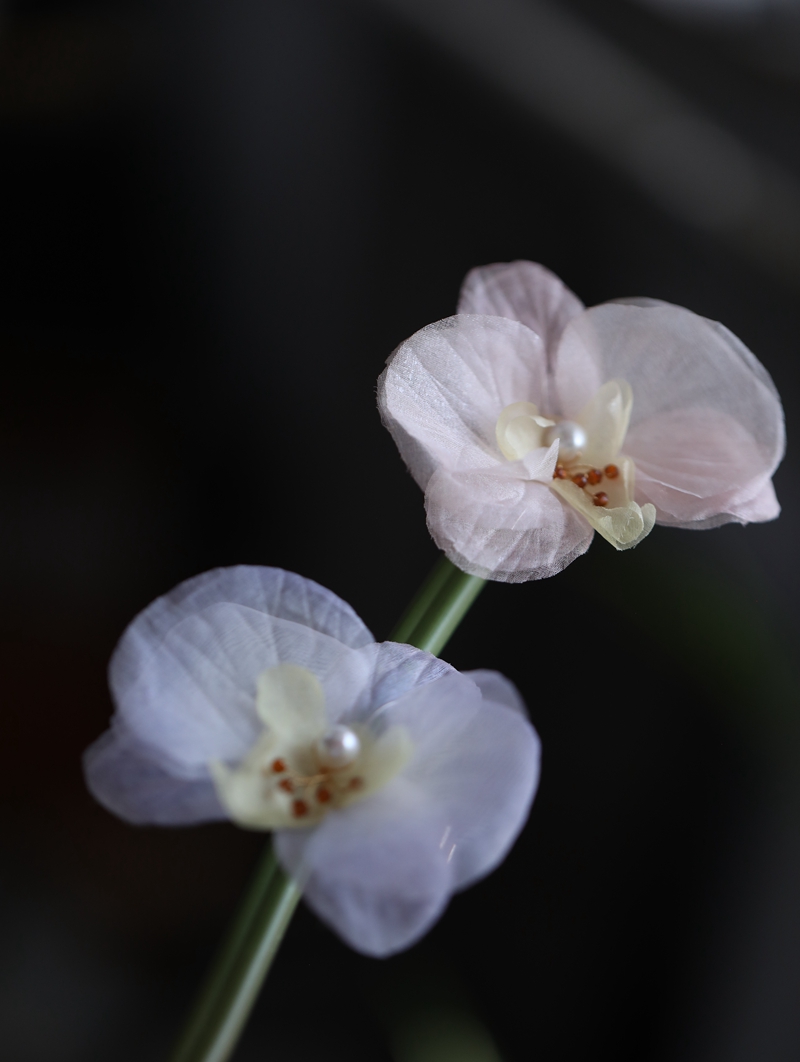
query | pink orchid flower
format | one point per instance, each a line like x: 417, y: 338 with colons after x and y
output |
x: 531, y: 422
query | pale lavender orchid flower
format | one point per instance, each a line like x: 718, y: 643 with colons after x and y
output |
x: 390, y: 779
x: 531, y: 422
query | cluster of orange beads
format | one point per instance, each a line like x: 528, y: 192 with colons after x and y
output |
x: 323, y: 785
x: 590, y: 478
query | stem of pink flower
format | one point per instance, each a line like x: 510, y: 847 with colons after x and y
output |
x: 243, y: 961
x: 439, y: 606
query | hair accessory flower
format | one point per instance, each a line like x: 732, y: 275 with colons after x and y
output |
x: 531, y: 422
x: 391, y: 779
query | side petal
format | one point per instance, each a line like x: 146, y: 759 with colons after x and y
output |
x: 374, y: 872
x: 523, y: 291
x: 506, y: 529
x: 496, y: 687
x: 124, y: 776
x: 701, y: 467
x: 678, y: 362
x: 192, y: 694
x: 444, y: 388
x: 396, y: 670
x: 477, y: 764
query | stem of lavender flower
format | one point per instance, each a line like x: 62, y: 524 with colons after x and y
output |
x: 227, y: 997
x: 439, y: 606
x: 233, y: 983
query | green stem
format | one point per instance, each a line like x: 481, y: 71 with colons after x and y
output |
x: 227, y: 997
x: 441, y: 603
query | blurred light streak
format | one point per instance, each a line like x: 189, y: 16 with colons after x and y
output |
x: 567, y: 74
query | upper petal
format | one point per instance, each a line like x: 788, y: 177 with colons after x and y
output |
x: 523, y: 291
x: 444, y: 388
x: 272, y: 591
x: 507, y: 529
x: 396, y: 670
x: 190, y: 694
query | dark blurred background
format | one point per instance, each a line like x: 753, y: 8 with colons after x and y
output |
x: 217, y: 219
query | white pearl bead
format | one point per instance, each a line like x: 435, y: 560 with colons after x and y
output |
x: 339, y: 748
x: 571, y: 438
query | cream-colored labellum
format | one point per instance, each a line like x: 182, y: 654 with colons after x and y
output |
x: 592, y: 475
x: 301, y: 767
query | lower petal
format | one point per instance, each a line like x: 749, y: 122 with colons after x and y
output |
x: 624, y: 525
x: 509, y: 530
x: 375, y: 872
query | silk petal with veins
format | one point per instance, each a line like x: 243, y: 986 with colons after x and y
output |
x: 210, y: 686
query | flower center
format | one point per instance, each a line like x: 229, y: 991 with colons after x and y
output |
x: 584, y: 476
x: 571, y: 438
x: 333, y: 774
x: 303, y: 765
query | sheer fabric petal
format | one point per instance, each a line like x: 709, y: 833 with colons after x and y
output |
x: 479, y: 765
x: 496, y: 687
x: 192, y: 697
x: 696, y: 465
x: 443, y: 390
x: 272, y: 591
x: 675, y: 360
x: 373, y: 872
x: 506, y: 529
x: 123, y: 775
x: 521, y: 291
x: 381, y: 872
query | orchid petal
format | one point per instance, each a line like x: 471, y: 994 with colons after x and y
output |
x: 623, y: 522
x: 467, y: 788
x: 484, y: 784
x: 193, y: 694
x: 503, y: 528
x: 496, y: 687
x: 677, y: 361
x: 699, y: 466
x: 124, y: 776
x: 443, y: 390
x: 522, y: 291
x: 373, y: 872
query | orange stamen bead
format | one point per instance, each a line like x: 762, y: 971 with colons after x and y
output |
x: 279, y: 766
x: 355, y: 783
x: 560, y: 472
x: 580, y: 479
x: 286, y: 784
x: 299, y: 808
x: 323, y: 794
x: 594, y: 476
x: 601, y: 499
x: 611, y: 471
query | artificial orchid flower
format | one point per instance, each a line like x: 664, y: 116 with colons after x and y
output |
x: 531, y: 422
x: 390, y: 779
